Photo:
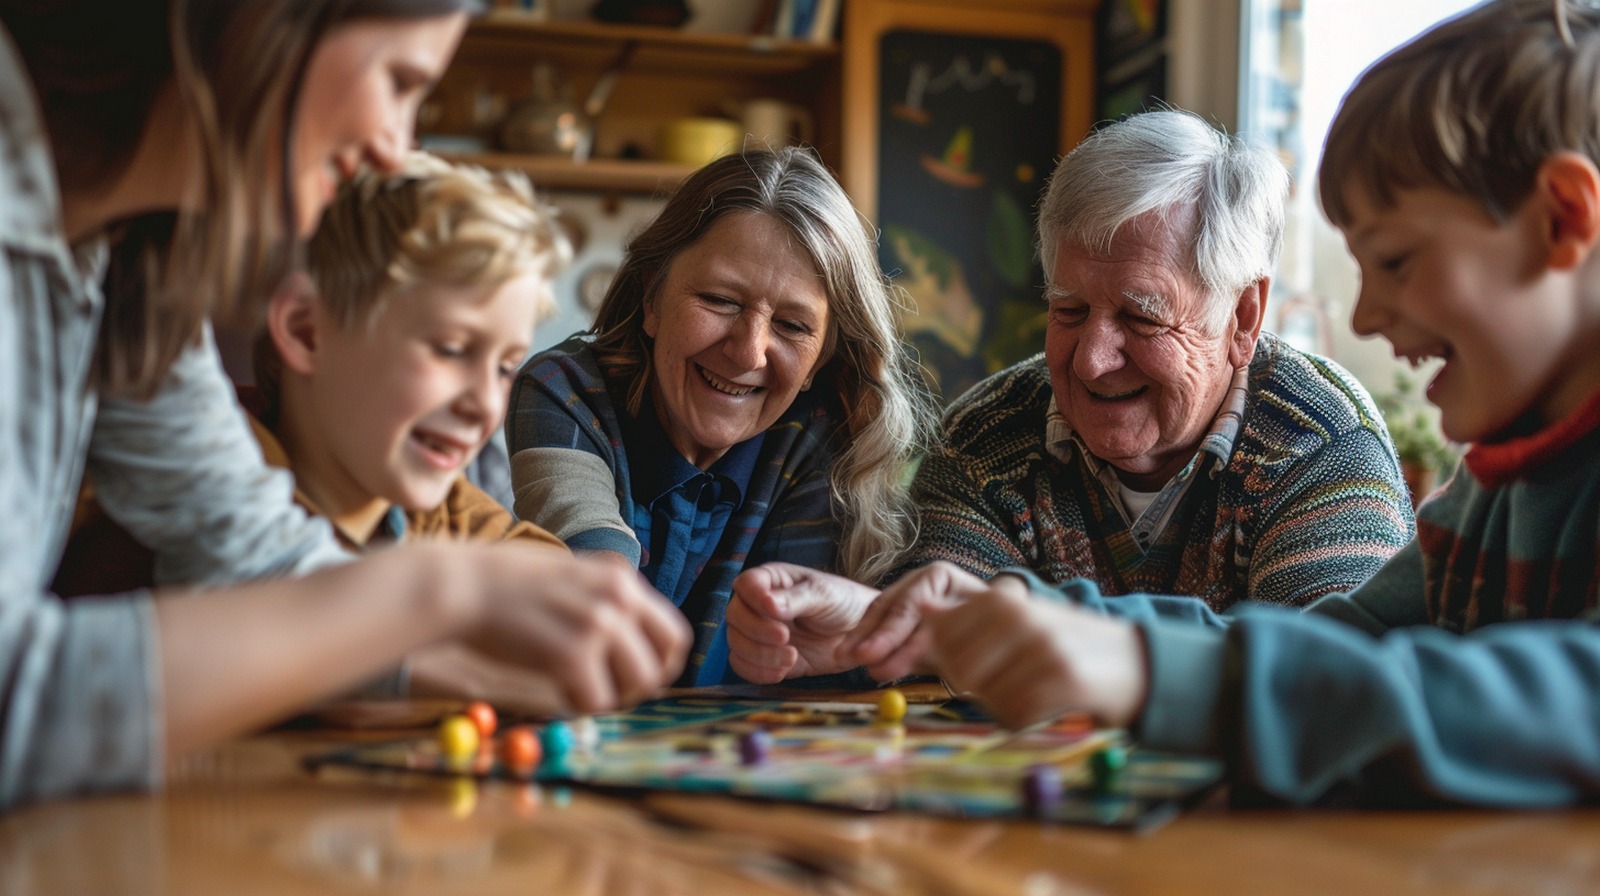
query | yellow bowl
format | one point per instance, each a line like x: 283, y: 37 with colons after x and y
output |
x: 697, y: 141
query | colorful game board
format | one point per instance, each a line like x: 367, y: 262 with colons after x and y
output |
x: 946, y: 759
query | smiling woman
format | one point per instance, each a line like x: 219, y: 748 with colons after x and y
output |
x: 156, y: 156
x: 744, y: 396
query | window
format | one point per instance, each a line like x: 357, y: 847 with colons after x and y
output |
x: 1301, y: 56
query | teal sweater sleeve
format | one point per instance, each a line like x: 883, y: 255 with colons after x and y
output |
x: 1299, y: 703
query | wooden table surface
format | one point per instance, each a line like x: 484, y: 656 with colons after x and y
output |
x: 246, y: 819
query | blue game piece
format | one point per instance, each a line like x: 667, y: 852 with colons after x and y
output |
x: 754, y: 746
x: 557, y: 740
x: 1041, y: 790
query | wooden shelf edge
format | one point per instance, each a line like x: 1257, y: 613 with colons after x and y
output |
x: 510, y: 23
x: 550, y: 172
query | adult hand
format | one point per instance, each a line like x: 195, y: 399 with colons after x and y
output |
x: 1030, y: 660
x: 891, y: 640
x: 788, y: 621
x: 598, y: 631
x: 454, y: 670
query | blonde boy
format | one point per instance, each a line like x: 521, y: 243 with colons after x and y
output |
x: 378, y: 386
x: 380, y: 378
x: 1462, y: 169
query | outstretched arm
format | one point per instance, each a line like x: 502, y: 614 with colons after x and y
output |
x: 232, y: 661
x: 1298, y: 703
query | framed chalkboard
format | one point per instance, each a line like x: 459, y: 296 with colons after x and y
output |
x: 967, y: 135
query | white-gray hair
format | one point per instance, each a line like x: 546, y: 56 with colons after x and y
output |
x: 1172, y: 162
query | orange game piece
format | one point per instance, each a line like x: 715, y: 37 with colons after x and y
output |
x: 519, y: 748
x: 483, y: 716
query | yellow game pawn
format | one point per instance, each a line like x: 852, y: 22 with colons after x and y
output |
x: 458, y: 739
x: 891, y: 706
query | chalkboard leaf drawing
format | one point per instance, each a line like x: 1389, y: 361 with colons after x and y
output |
x: 933, y: 277
x: 1018, y: 332
x: 911, y: 109
x: 955, y: 168
x: 1010, y: 241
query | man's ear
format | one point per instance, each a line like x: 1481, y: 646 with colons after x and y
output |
x: 1569, y: 186
x: 1248, y: 314
x: 292, y: 325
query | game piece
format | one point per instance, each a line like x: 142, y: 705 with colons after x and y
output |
x: 891, y: 705
x: 754, y: 746
x: 1041, y: 789
x: 458, y: 738
x: 945, y: 760
x: 519, y: 749
x: 483, y: 716
x: 557, y: 740
x: 585, y: 733
x: 1106, y: 766
x: 463, y: 797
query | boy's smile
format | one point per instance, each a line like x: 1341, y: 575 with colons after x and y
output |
x: 404, y: 402
x: 1441, y: 279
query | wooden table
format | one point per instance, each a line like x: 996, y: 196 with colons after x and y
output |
x: 246, y: 819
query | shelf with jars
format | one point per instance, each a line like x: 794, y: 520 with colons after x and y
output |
x: 626, y: 108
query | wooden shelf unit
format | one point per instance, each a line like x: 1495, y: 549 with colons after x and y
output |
x: 670, y: 74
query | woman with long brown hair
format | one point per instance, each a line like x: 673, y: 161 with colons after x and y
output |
x: 159, y: 161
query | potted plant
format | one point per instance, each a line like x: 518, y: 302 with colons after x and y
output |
x: 1424, y: 453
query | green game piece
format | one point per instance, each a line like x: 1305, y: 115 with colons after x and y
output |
x: 1107, y: 765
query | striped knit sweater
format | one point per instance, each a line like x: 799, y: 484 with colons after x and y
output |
x: 1309, y: 502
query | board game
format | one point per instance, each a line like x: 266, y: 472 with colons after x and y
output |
x: 945, y: 759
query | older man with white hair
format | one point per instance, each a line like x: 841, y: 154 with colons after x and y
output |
x: 1161, y: 443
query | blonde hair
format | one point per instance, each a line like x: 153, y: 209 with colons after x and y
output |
x: 432, y: 223
x: 889, y: 413
x: 1474, y: 106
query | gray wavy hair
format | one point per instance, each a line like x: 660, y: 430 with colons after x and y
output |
x: 1172, y: 162
x: 889, y: 413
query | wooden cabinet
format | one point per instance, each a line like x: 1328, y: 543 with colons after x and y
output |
x: 667, y: 74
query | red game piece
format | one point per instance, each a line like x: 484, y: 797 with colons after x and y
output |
x: 483, y: 716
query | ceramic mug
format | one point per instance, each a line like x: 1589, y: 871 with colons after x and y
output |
x: 696, y: 141
x: 774, y: 123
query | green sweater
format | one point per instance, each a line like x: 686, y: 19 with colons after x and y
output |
x: 1466, y: 671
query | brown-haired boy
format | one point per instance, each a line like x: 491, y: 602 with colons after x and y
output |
x: 1462, y: 169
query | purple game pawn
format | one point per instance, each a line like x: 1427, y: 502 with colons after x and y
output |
x: 754, y: 746
x: 1041, y: 790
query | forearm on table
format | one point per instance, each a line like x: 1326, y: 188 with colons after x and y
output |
x: 237, y: 658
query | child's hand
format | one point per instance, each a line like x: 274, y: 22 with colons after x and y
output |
x: 891, y: 640
x: 604, y: 636
x: 787, y: 621
x: 1030, y: 660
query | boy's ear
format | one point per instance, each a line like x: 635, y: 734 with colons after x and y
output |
x: 1570, y: 184
x: 292, y: 325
